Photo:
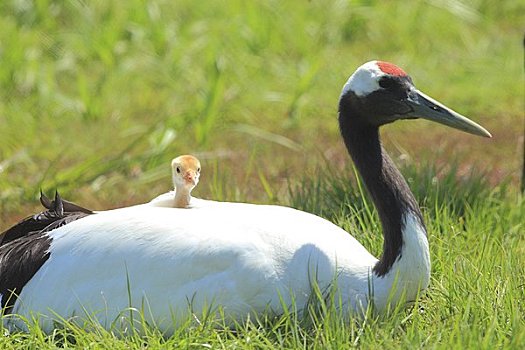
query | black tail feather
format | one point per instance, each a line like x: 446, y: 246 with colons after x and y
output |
x: 59, y: 212
x: 69, y: 207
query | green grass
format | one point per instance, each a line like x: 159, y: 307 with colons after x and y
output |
x: 96, y: 97
x: 476, y: 298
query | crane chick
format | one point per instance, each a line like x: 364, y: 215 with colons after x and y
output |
x: 185, y: 173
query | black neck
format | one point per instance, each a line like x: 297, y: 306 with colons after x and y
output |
x: 389, y: 191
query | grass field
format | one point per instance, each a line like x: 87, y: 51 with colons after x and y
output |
x: 96, y: 97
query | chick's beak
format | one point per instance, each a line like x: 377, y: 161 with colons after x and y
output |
x: 191, y: 178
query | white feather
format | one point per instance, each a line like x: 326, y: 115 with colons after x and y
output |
x: 246, y: 258
x: 164, y: 200
x: 411, y: 272
x: 365, y: 80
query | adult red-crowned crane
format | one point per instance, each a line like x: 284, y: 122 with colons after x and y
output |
x: 245, y: 258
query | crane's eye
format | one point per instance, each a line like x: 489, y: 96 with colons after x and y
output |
x: 386, y: 83
x: 178, y: 170
x: 198, y: 170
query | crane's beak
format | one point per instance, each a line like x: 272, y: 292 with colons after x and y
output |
x: 426, y: 107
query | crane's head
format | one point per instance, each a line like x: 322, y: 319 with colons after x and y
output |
x: 186, y: 170
x: 380, y: 92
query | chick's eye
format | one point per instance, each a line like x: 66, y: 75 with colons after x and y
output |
x: 178, y: 170
x: 386, y: 83
x: 198, y: 170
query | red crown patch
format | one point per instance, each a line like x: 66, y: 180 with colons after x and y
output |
x: 391, y: 69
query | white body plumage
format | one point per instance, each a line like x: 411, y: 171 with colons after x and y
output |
x: 246, y: 258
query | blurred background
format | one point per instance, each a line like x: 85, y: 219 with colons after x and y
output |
x: 96, y: 97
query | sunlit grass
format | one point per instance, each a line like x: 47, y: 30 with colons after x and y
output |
x: 475, y: 299
x: 96, y: 97
x: 99, y: 94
